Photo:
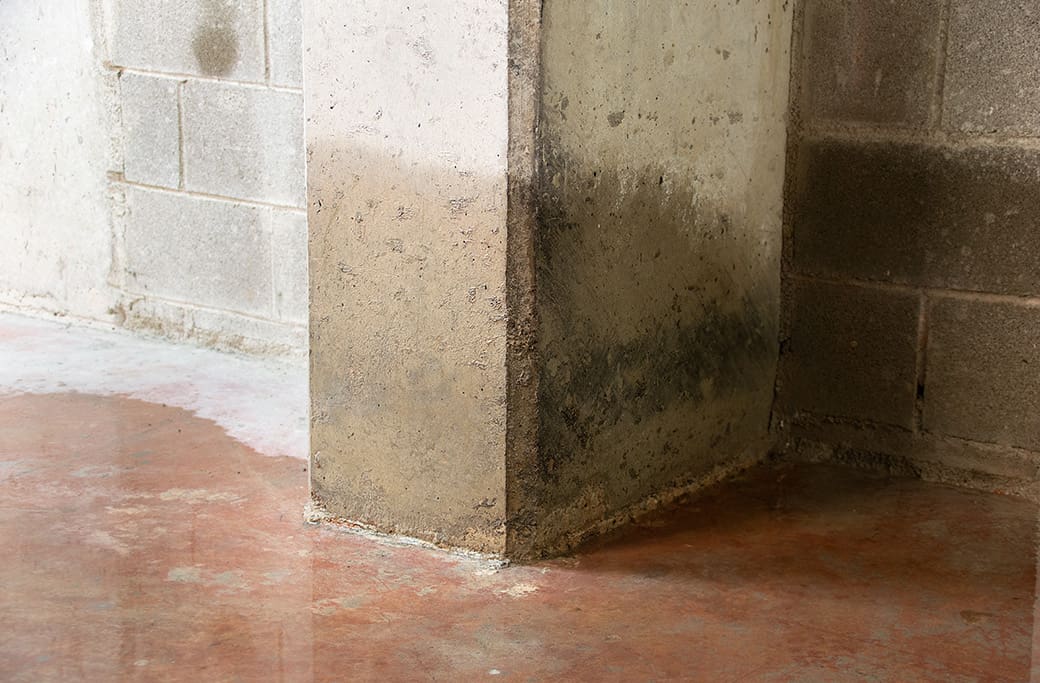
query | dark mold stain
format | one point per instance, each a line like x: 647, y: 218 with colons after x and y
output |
x: 604, y: 383
x: 215, y: 44
x: 917, y: 214
x: 615, y: 118
x: 643, y: 252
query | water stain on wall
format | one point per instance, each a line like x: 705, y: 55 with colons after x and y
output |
x: 407, y: 344
x: 657, y: 329
x: 215, y: 44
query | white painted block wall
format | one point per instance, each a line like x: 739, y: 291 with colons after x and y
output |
x: 152, y: 167
x: 55, y: 241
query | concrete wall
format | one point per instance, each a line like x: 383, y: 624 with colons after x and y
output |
x: 639, y: 260
x: 155, y: 162
x: 54, y: 151
x: 406, y: 143
x: 911, y: 266
x: 657, y: 254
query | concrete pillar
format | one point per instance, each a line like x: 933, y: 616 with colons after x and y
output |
x: 544, y: 256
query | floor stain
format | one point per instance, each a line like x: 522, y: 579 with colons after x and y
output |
x: 197, y: 564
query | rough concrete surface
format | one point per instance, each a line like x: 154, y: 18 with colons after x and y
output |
x: 285, y: 41
x: 119, y: 95
x: 211, y: 327
x: 522, y: 352
x: 852, y: 352
x: 55, y: 238
x: 151, y: 130
x: 933, y: 204
x: 244, y: 142
x: 870, y: 60
x: 218, y: 38
x: 289, y: 261
x: 179, y: 250
x: 991, y: 69
x: 919, y: 214
x: 657, y: 260
x: 406, y: 143
x: 899, y: 451
x: 983, y: 377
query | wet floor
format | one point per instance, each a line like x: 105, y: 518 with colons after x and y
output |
x: 141, y: 542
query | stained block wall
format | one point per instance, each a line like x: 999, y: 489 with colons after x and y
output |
x: 912, y: 267
x: 153, y: 176
x: 210, y: 232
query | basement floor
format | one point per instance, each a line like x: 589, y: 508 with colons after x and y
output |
x: 141, y: 541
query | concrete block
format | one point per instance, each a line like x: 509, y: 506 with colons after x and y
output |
x: 218, y: 38
x: 983, y: 374
x: 870, y: 61
x: 922, y: 451
x: 919, y: 215
x: 993, y: 67
x: 207, y: 252
x: 151, y: 130
x: 852, y: 353
x: 244, y: 142
x: 289, y: 269
x: 215, y: 328
x: 285, y: 41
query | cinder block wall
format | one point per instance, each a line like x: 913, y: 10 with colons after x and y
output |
x: 154, y: 175
x: 912, y: 263
x: 211, y: 236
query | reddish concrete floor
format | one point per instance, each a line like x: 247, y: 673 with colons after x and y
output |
x: 142, y: 543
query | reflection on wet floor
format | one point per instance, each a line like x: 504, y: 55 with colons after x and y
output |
x: 143, y: 543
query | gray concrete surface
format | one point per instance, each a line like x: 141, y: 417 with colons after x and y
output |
x: 934, y: 220
x: 658, y: 249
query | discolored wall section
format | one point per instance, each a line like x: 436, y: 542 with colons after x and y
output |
x: 657, y: 253
x: 209, y: 237
x: 911, y: 262
x: 406, y: 143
